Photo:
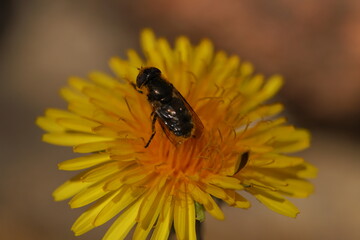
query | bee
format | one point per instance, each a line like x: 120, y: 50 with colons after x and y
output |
x: 176, y: 117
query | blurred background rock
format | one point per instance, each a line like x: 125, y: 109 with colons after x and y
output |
x: 315, y: 45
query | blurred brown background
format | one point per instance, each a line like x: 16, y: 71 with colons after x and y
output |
x: 315, y: 45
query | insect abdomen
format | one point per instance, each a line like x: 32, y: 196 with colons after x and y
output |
x: 176, y: 117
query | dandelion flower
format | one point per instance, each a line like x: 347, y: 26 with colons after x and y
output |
x: 243, y: 146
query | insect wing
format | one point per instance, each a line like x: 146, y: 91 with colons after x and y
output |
x: 171, y: 136
x: 198, y: 125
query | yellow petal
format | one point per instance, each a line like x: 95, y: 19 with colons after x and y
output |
x: 123, y: 199
x: 132, y: 177
x: 84, y: 109
x: 202, y: 56
x: 69, y: 94
x: 271, y: 87
x: 246, y: 69
x: 263, y: 112
x: 298, y: 188
x: 268, y: 125
x: 148, y: 40
x: 85, y: 222
x: 88, y: 195
x: 236, y: 200
x: 119, y: 67
x: 122, y: 226
x: 183, y: 50
x: 155, y: 59
x: 149, y: 212
x: 241, y: 202
x: 252, y: 85
x: 71, y: 139
x: 258, y: 177
x: 273, y: 160
x: 305, y: 170
x: 125, y: 70
x: 163, y: 226
x: 79, y: 83
x: 275, y: 202
x: 49, y: 124
x: 218, y: 63
x: 217, y: 192
x: 58, y: 113
x: 103, y: 79
x: 204, y: 198
x: 184, y: 219
x: 78, y: 125
x: 167, y: 54
x: 84, y: 162
x: 134, y: 58
x: 309, y: 171
x: 228, y: 70
x: 103, y: 99
x: 113, y: 131
x: 152, y: 203
x: 199, y: 196
x: 283, y: 182
x: 102, y: 171
x: 115, y: 182
x: 225, y: 182
x: 70, y: 188
x: 94, y: 146
x: 260, y: 149
x: 191, y: 218
x: 292, y: 142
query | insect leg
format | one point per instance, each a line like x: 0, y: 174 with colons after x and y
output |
x: 153, y: 128
x: 134, y: 86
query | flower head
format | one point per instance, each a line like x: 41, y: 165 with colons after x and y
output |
x: 242, y: 147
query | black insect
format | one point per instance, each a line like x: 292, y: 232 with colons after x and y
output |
x: 176, y: 117
x: 243, y: 160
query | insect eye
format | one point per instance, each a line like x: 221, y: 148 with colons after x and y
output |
x: 146, y: 74
x: 141, y: 79
x: 154, y: 71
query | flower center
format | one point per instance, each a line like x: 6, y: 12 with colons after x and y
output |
x: 194, y: 158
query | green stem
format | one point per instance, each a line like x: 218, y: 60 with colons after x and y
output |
x: 199, y: 230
